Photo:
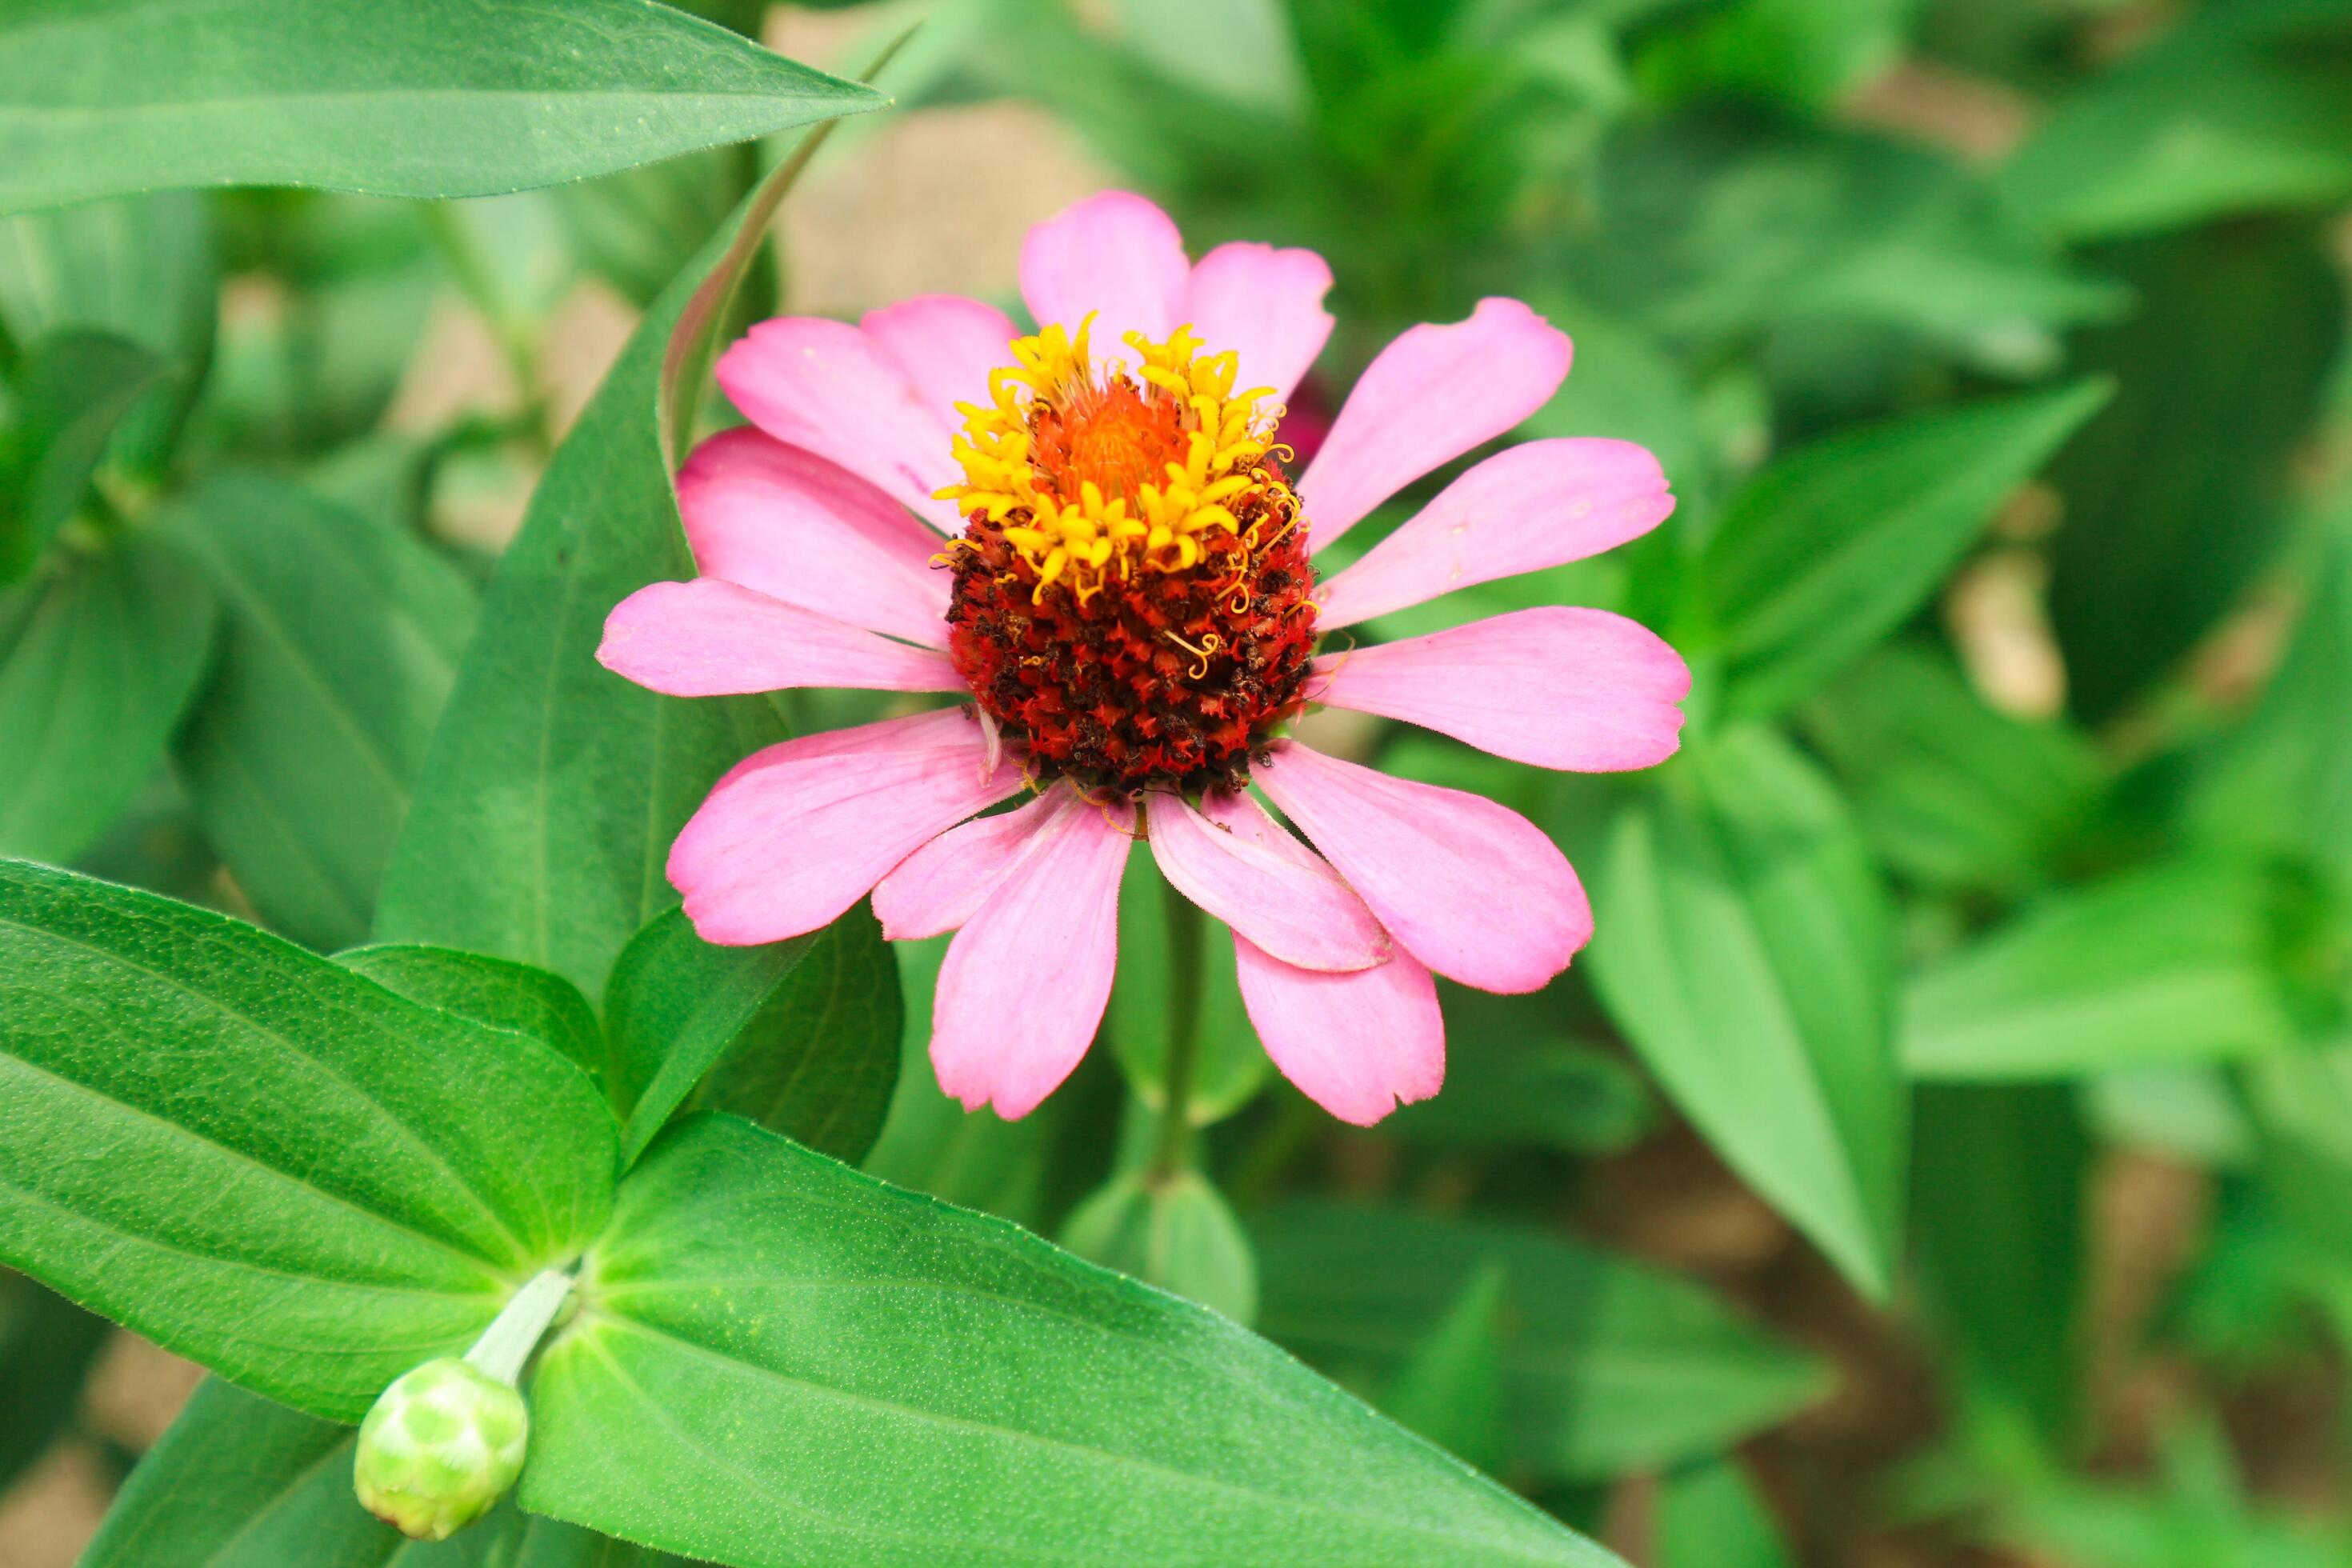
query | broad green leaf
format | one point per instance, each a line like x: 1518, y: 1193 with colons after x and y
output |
x: 47, y: 1346
x: 1711, y: 1517
x: 1606, y: 1364
x: 554, y: 787
x: 1745, y: 945
x: 1952, y: 793
x: 1833, y: 545
x: 140, y: 268
x: 73, y: 389
x: 2282, y: 781
x: 1174, y: 1230
x: 674, y: 1005
x: 341, y: 639
x: 2168, y: 963
x: 1229, y: 1066
x: 2174, y: 496
x: 1999, y: 1230
x: 931, y: 1386
x: 2232, y: 113
x: 263, y: 1161
x: 820, y: 1060
x: 99, y: 655
x: 240, y: 1482
x: 429, y: 98
x: 1514, y: 1079
x: 1450, y: 1389
x: 493, y: 991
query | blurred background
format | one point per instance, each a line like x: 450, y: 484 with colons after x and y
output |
x: 1988, y: 1200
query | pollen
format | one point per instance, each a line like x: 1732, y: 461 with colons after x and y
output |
x: 1132, y: 594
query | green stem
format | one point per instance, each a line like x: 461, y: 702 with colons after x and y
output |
x: 515, y: 1333
x: 1187, y: 973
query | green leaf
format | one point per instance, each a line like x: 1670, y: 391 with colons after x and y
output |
x: 240, y: 1482
x: 2233, y: 111
x: 2281, y: 782
x: 47, y: 1346
x: 1606, y: 1365
x: 675, y: 1007
x: 1174, y: 1230
x: 2001, y: 1228
x: 430, y: 97
x: 492, y: 990
x: 1952, y: 793
x: 932, y: 1385
x: 554, y: 787
x: 1710, y: 1516
x: 2301, y: 1102
x: 1513, y: 1079
x: 263, y: 1161
x: 1745, y: 945
x: 341, y: 640
x: 1803, y: 53
x: 2219, y: 376
x: 99, y: 656
x: 72, y: 391
x: 1834, y: 544
x: 2168, y: 963
x: 142, y: 268
x: 1450, y: 1389
x: 820, y: 1060
x: 1229, y: 1065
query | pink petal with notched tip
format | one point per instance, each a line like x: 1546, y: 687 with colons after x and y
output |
x: 711, y: 637
x: 1536, y: 505
x: 1557, y: 687
x: 797, y: 833
x: 1471, y: 888
x: 945, y: 345
x: 1356, y: 1044
x: 1023, y: 984
x: 1249, y: 873
x: 824, y: 386
x: 1430, y: 396
x: 943, y: 884
x: 1115, y: 255
x: 800, y: 529
x: 1267, y: 306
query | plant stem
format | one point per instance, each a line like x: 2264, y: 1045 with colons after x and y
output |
x: 515, y: 1333
x: 1186, y: 974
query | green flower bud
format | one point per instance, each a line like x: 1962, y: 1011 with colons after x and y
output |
x: 439, y: 1449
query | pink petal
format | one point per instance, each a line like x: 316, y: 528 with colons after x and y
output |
x: 824, y: 386
x: 1474, y: 889
x: 1113, y: 254
x: 1522, y: 510
x: 1266, y: 305
x: 1430, y: 395
x: 1557, y: 687
x: 711, y: 637
x: 797, y: 833
x: 800, y: 529
x: 1243, y: 869
x: 1023, y: 986
x: 1356, y: 1044
x: 945, y: 345
x: 943, y: 884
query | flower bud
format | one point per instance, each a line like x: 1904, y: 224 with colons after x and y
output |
x: 439, y: 1449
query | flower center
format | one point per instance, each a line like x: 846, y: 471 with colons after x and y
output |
x: 1132, y: 589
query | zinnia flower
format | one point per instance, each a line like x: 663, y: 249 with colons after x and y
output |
x: 1089, y: 534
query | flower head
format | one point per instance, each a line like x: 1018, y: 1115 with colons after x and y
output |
x: 1091, y: 535
x: 439, y: 1449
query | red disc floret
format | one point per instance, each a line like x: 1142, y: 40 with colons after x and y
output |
x: 1156, y: 676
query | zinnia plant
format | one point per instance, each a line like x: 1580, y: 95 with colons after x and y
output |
x: 1091, y: 535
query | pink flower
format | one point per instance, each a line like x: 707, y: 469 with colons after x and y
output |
x: 1090, y: 534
